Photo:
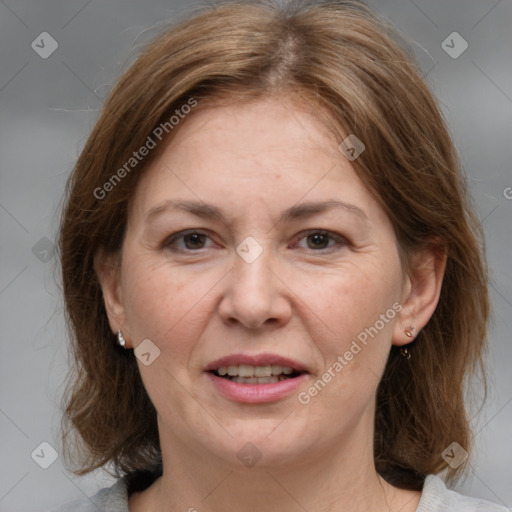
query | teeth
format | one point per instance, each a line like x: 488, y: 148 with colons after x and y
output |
x: 256, y: 380
x: 246, y: 370
x: 232, y: 370
x: 263, y: 371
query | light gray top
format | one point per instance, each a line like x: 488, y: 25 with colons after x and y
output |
x: 435, y: 497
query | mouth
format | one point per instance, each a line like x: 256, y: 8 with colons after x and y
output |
x: 256, y: 379
x: 248, y: 374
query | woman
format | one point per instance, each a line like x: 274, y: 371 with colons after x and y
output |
x: 275, y: 286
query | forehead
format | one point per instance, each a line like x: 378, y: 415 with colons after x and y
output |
x: 264, y: 153
x: 273, y: 131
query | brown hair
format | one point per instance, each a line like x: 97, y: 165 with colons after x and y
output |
x: 354, y: 70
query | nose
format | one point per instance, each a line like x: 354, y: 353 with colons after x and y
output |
x: 256, y: 295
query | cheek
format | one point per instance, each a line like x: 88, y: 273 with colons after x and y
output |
x: 351, y: 298
x: 162, y: 303
x: 352, y: 337
x: 353, y: 319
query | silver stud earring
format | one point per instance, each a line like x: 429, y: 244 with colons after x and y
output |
x: 120, y: 340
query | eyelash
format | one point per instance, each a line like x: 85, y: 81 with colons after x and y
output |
x: 342, y: 241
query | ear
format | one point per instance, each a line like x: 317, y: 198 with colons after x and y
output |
x: 108, y: 269
x: 421, y: 291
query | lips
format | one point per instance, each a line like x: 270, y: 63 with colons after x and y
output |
x: 282, y: 377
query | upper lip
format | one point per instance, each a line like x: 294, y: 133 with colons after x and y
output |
x: 255, y: 360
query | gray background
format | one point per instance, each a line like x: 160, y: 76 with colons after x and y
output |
x: 50, y: 105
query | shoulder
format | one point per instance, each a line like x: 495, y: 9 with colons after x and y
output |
x: 108, y: 499
x: 116, y: 497
x: 436, y: 497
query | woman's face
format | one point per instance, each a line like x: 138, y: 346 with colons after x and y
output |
x: 271, y: 277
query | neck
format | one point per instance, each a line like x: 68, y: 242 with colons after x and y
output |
x: 341, y: 477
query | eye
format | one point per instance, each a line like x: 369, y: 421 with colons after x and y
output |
x: 192, y: 241
x: 319, y: 240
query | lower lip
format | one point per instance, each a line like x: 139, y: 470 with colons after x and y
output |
x: 256, y: 393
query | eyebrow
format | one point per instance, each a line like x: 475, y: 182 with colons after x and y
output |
x: 300, y: 211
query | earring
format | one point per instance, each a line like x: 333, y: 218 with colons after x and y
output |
x: 405, y: 353
x: 120, y: 340
x: 411, y: 332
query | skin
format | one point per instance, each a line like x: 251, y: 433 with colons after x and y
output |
x: 305, y: 298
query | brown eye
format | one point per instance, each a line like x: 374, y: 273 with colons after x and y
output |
x: 192, y: 240
x: 319, y: 240
x: 186, y: 241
